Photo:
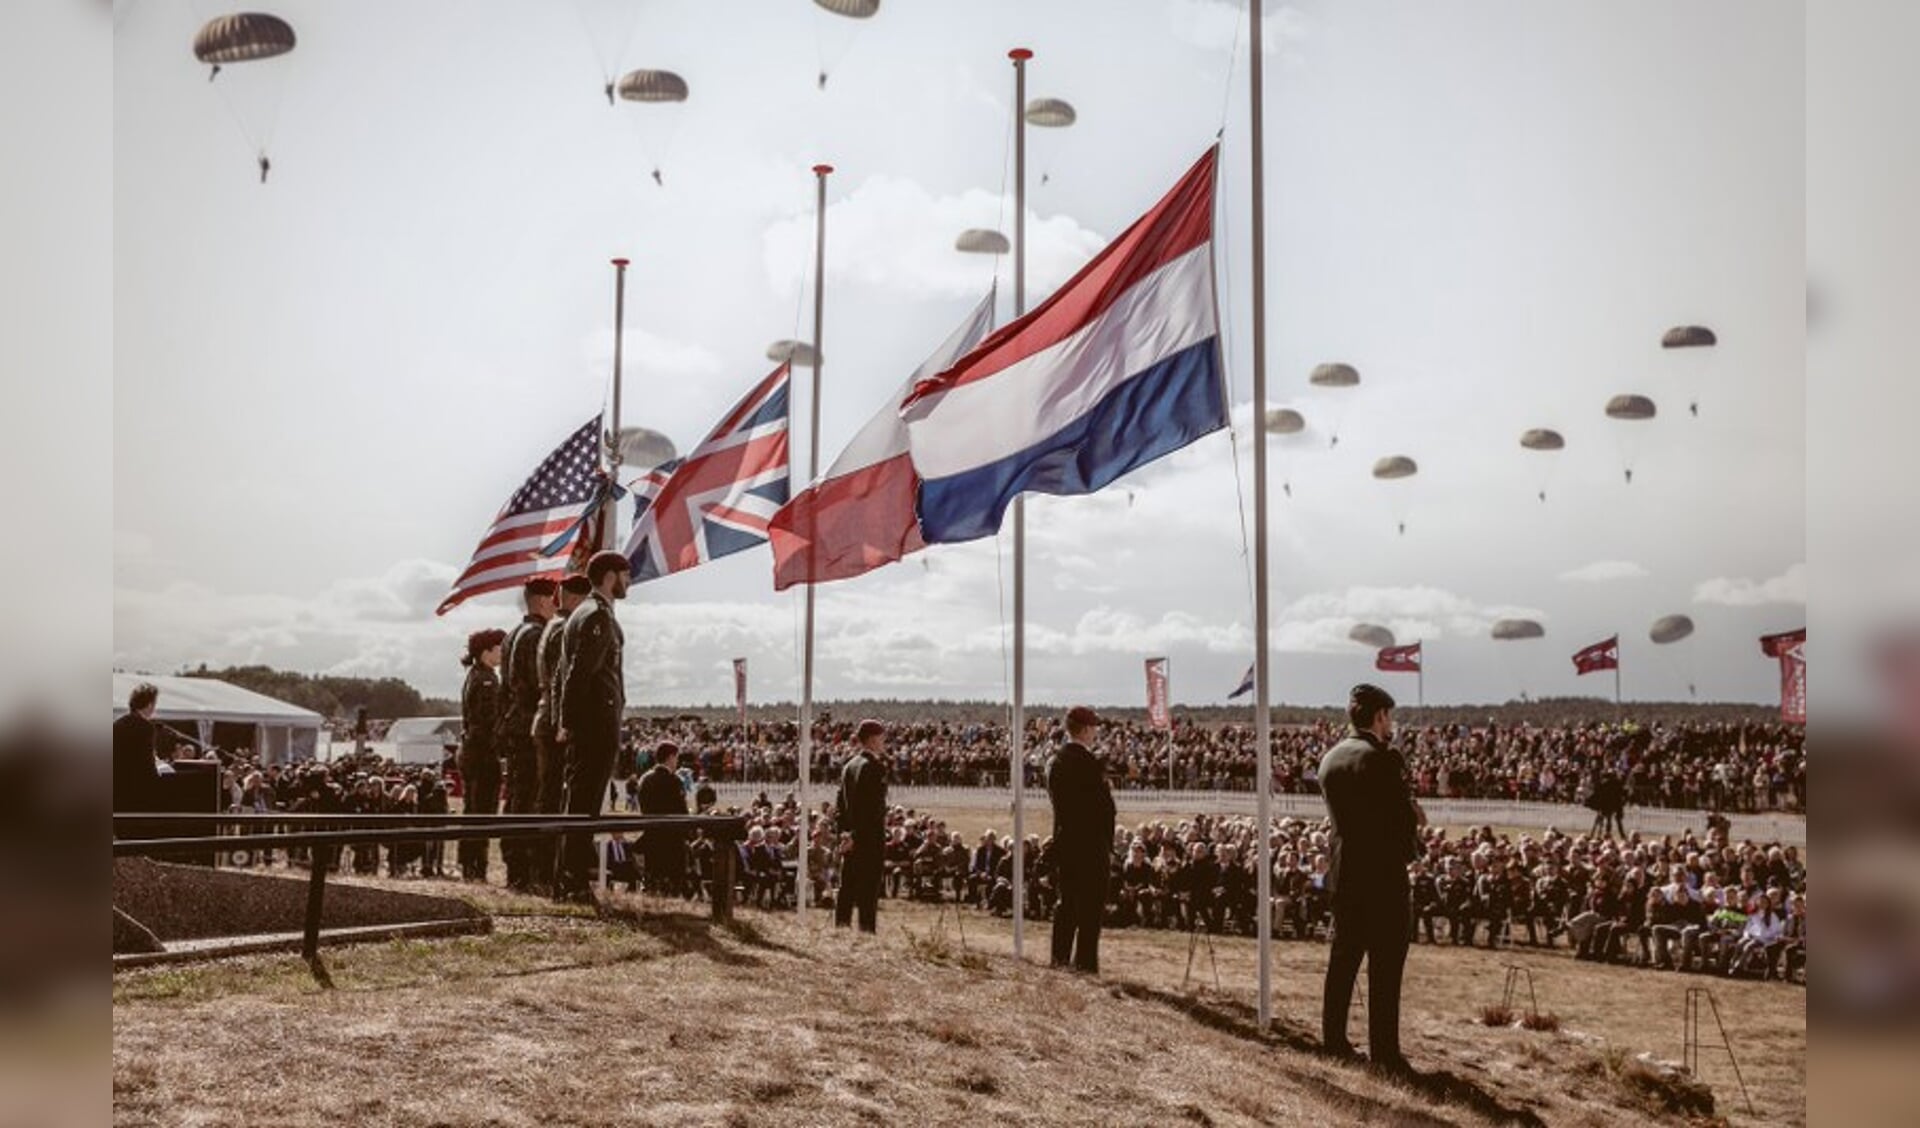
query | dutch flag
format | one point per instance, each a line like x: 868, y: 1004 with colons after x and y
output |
x: 1119, y: 367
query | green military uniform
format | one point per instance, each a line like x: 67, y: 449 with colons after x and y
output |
x: 479, y: 760
x: 522, y: 697
x: 592, y: 700
x: 548, y: 755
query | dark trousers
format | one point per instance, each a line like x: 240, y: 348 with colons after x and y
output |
x: 859, y: 884
x: 1374, y: 927
x: 523, y: 798
x: 1076, y: 921
x: 480, y: 791
x: 590, y: 756
x: 665, y: 852
x: 551, y: 770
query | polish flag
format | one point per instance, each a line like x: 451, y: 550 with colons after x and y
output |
x: 860, y: 514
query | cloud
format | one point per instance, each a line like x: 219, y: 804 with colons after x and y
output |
x: 649, y: 352
x: 1605, y: 571
x: 891, y: 233
x: 1789, y: 587
x: 1318, y: 623
x: 1216, y: 25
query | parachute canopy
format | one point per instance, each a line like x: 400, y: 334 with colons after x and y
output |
x: 1334, y: 376
x: 1670, y: 628
x: 1508, y: 630
x: 653, y: 86
x: 242, y: 37
x: 793, y: 352
x: 1397, y: 466
x: 1630, y: 407
x: 1285, y: 421
x: 852, y: 9
x: 982, y: 241
x: 1541, y: 438
x: 1371, y: 634
x: 1050, y: 113
x: 642, y: 448
x: 1688, y: 337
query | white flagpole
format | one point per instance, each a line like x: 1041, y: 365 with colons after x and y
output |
x: 1263, y: 709
x: 1168, y: 689
x: 609, y: 517
x: 801, y: 881
x: 1017, y: 754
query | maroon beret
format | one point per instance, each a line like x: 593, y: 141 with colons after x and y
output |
x: 604, y: 561
x: 869, y: 727
x: 1080, y: 717
x: 541, y: 585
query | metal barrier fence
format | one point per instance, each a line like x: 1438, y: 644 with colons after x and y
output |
x: 354, y: 830
x: 1569, y: 818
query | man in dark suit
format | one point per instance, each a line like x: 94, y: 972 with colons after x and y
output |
x: 1375, y: 834
x: 860, y: 810
x: 135, y: 778
x: 1082, y: 840
x: 593, y: 697
x: 661, y: 794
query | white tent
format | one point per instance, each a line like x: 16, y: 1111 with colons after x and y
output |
x: 422, y: 740
x: 279, y: 732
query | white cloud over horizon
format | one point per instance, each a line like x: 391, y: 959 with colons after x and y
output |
x: 1605, y: 571
x: 1790, y: 587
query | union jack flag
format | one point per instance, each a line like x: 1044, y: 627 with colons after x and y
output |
x: 717, y: 500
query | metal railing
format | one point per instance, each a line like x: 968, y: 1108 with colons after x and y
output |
x: 355, y: 830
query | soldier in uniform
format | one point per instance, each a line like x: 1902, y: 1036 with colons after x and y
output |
x: 662, y: 794
x: 1375, y: 834
x: 522, y: 697
x: 860, y: 810
x: 479, y: 755
x: 592, y: 700
x: 1083, y: 819
x: 548, y: 752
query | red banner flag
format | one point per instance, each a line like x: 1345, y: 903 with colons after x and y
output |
x: 1157, y: 714
x: 1774, y: 645
x: 1602, y: 655
x: 1399, y: 659
x: 1793, y: 681
x: 740, y: 687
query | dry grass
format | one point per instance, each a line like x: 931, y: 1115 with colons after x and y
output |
x: 653, y: 1016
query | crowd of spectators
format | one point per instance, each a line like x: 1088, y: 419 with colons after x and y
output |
x: 1732, y: 767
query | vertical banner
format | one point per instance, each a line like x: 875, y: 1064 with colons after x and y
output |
x: 1157, y: 714
x: 740, y: 687
x: 1793, y: 682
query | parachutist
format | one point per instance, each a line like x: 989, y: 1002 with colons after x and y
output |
x: 1691, y: 692
x: 1629, y: 477
x: 1286, y: 488
x: 823, y: 80
x: 1334, y: 442
x: 266, y: 166
x: 609, y: 90
x: 657, y: 180
x: 1543, y: 496
x: 1403, y: 528
x: 214, y: 73
x: 1044, y: 177
x: 1694, y: 409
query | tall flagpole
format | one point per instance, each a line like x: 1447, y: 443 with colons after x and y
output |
x: 1018, y: 753
x: 800, y: 887
x: 609, y: 512
x: 1420, y: 672
x: 1263, y: 705
x: 1169, y: 689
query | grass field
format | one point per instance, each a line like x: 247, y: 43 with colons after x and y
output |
x: 647, y: 1014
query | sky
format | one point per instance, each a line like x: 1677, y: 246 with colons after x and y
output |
x: 326, y: 385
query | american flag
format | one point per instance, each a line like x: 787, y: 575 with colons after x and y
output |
x: 546, y: 506
x: 716, y: 501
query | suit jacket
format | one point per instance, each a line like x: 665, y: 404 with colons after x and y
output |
x: 861, y: 806
x: 1375, y: 833
x: 135, y: 778
x: 1083, y: 815
x: 592, y: 692
x: 661, y: 794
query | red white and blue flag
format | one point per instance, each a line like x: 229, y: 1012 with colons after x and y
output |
x: 1245, y: 687
x: 548, y: 505
x: 860, y: 514
x: 1119, y: 367
x: 717, y: 500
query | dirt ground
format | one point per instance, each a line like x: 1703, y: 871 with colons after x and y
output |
x: 648, y: 1014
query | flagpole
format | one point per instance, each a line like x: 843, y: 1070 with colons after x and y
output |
x: 801, y: 877
x: 1169, y: 707
x: 1017, y: 752
x: 609, y: 512
x: 1263, y: 708
x: 1420, y: 672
